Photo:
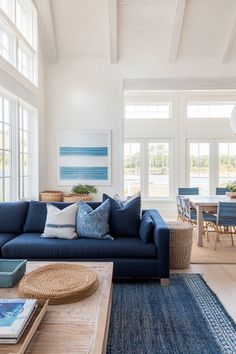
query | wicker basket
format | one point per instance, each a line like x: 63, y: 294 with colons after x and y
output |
x: 74, y: 198
x: 181, y: 238
x: 51, y: 196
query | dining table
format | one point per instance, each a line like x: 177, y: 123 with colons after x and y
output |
x: 203, y: 204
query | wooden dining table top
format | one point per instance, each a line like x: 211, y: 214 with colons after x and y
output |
x: 208, y: 200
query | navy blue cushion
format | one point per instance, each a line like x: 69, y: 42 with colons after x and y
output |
x: 146, y: 228
x: 33, y: 246
x: 37, y: 213
x: 12, y: 217
x: 124, y: 218
x: 4, y: 238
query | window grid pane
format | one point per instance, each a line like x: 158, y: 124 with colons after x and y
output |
x: 199, y: 161
x: 211, y: 110
x: 227, y: 163
x: 132, y: 176
x: 147, y: 111
x: 24, y: 152
x: 158, y: 185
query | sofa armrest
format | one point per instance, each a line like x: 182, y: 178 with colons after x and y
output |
x: 162, y: 241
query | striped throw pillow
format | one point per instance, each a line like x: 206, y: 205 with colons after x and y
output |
x: 60, y: 223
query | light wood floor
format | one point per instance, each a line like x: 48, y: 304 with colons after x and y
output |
x: 221, y: 278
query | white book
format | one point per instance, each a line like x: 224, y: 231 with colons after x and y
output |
x: 14, y: 315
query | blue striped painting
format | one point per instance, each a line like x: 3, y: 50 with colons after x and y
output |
x: 83, y: 173
x: 89, y: 151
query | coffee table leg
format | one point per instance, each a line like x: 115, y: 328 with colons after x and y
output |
x: 199, y: 225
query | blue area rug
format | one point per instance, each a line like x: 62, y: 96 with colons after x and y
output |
x: 184, y: 318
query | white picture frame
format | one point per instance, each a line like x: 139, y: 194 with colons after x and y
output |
x: 84, y: 156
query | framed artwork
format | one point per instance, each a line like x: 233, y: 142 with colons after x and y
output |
x: 84, y: 156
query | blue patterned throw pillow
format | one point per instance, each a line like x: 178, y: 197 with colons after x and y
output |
x: 93, y: 223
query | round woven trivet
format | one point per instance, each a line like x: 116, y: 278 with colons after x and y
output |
x: 61, y: 283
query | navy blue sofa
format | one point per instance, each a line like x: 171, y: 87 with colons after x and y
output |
x: 22, y: 223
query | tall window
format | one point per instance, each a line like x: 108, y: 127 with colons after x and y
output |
x: 158, y: 154
x: 132, y: 177
x: 5, y: 149
x: 18, y: 36
x: 147, y: 169
x: 227, y: 163
x: 18, y: 160
x: 199, y: 166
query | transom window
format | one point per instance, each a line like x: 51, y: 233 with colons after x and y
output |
x: 209, y: 110
x: 148, y: 111
x: 18, y: 36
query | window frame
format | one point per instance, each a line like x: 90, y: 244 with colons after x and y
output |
x: 207, y: 103
x: 10, y: 25
x: 15, y: 148
x: 144, y: 166
x: 151, y: 103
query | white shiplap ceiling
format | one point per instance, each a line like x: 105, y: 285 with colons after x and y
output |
x: 147, y: 29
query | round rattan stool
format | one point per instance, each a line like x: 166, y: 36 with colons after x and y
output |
x: 181, y: 239
x: 61, y: 283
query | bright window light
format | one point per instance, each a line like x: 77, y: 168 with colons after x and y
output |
x: 147, y: 111
x: 208, y: 110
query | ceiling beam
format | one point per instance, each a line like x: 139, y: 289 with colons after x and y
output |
x: 177, y: 29
x: 113, y: 30
x: 47, y: 29
x: 231, y: 36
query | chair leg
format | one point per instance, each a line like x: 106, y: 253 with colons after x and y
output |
x: 232, y: 237
x: 217, y: 237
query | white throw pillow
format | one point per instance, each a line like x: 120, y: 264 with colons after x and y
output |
x: 60, y: 223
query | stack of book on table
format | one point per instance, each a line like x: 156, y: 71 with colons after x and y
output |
x: 15, y: 315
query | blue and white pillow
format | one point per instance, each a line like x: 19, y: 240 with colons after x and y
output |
x: 93, y: 223
x: 60, y: 223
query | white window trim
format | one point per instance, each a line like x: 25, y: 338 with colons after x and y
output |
x: 213, y: 160
x: 144, y: 167
x: 8, y: 68
x: 33, y: 143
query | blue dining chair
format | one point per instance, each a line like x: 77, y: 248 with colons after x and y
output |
x: 188, y: 191
x: 179, y: 208
x: 225, y: 222
x: 221, y: 190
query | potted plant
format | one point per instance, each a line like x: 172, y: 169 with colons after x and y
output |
x: 231, y: 186
x: 81, y: 192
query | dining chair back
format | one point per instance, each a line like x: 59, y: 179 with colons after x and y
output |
x: 221, y: 190
x: 226, y: 214
x: 188, y: 191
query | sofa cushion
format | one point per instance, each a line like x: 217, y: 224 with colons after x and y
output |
x: 37, y: 213
x: 93, y: 223
x: 60, y: 223
x: 4, y: 238
x: 146, y: 228
x: 12, y: 217
x: 124, y: 218
x: 33, y: 246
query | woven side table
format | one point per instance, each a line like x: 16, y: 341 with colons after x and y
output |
x: 181, y: 239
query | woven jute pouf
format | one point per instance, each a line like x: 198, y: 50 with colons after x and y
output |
x: 181, y: 239
x: 61, y: 283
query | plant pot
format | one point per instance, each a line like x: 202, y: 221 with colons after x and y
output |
x: 74, y: 198
x: 231, y: 194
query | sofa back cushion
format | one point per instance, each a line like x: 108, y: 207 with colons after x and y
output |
x: 37, y: 213
x: 146, y: 228
x: 12, y: 217
x: 124, y: 217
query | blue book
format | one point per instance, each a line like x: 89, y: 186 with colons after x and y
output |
x: 14, y: 315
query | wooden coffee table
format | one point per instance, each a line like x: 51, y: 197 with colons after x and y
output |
x: 81, y: 327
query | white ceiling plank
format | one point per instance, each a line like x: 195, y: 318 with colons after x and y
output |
x: 47, y: 29
x: 113, y: 30
x: 231, y: 37
x: 177, y: 29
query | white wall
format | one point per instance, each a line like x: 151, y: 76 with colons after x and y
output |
x: 88, y: 93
